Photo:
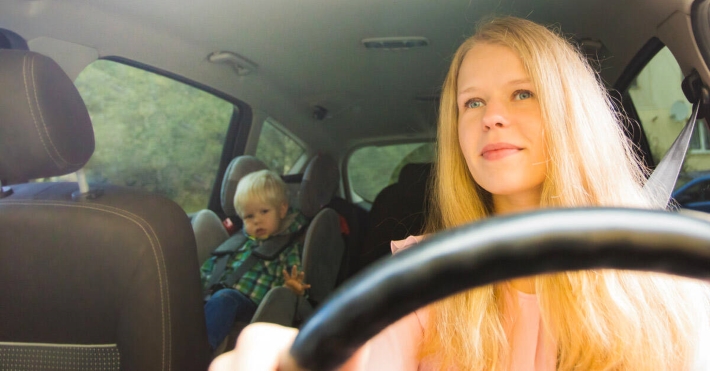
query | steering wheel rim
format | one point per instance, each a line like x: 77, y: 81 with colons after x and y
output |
x: 499, y: 249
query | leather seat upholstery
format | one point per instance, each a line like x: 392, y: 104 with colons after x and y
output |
x: 106, y: 278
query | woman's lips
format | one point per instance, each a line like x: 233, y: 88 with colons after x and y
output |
x: 497, y: 151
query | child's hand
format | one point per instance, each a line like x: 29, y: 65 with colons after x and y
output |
x: 294, y: 281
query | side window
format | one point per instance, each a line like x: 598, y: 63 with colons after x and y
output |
x: 278, y: 150
x: 372, y: 168
x: 663, y: 111
x: 154, y: 132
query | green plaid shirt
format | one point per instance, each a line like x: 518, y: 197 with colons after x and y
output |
x: 263, y: 275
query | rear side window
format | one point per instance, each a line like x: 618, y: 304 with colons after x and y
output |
x: 278, y: 150
x: 372, y: 168
x: 154, y: 132
x: 663, y: 111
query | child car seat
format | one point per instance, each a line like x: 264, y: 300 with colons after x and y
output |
x: 323, y: 243
x: 323, y: 248
x: 207, y: 226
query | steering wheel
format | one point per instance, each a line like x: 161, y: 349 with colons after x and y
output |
x: 499, y: 249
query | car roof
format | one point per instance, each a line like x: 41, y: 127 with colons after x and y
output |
x: 309, y: 53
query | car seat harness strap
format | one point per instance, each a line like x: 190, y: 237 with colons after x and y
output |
x: 268, y: 250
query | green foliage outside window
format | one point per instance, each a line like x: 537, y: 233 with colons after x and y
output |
x: 153, y: 132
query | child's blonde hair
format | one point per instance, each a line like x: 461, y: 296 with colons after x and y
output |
x: 264, y: 186
x: 600, y: 320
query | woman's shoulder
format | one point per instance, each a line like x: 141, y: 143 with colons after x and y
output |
x: 410, y: 241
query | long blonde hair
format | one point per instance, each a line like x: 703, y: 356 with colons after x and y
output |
x: 600, y: 320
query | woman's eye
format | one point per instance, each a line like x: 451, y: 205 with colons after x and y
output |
x: 523, y: 94
x: 474, y: 103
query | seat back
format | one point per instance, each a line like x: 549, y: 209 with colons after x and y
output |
x: 105, y: 277
x: 324, y: 247
x: 397, y: 212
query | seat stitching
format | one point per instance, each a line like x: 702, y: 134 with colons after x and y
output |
x: 29, y: 101
x: 139, y: 221
x: 41, y: 116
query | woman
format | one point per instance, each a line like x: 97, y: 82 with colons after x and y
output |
x: 524, y: 123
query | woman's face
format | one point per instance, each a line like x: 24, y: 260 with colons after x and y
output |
x: 500, y: 125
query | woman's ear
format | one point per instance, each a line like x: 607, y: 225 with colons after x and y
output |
x: 283, y: 210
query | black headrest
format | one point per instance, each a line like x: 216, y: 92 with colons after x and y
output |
x: 414, y: 173
x: 319, y: 184
x: 45, y: 128
x: 11, y: 40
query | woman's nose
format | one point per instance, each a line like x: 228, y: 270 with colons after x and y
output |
x: 495, y: 115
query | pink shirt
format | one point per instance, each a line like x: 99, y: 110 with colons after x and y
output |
x: 396, y: 347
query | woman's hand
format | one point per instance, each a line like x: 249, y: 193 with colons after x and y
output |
x: 260, y: 347
x: 295, y: 281
x: 264, y: 347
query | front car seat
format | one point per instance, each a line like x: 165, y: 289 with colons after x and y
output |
x: 98, y: 280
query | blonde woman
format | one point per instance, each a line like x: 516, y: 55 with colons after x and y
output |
x: 525, y: 124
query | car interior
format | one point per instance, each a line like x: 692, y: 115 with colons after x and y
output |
x: 127, y: 125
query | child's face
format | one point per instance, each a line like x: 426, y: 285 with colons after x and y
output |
x: 261, y: 220
x: 500, y: 123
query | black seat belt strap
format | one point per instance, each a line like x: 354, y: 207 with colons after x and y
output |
x: 267, y: 251
x: 215, y: 285
x: 223, y: 254
x: 256, y: 254
x: 219, y: 266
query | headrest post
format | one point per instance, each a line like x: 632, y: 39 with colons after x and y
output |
x: 84, y: 193
x: 81, y: 179
x: 5, y: 191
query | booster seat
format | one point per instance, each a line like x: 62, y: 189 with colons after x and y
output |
x: 323, y: 243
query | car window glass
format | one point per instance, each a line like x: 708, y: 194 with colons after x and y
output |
x: 277, y: 149
x: 663, y: 111
x: 153, y: 132
x: 372, y: 168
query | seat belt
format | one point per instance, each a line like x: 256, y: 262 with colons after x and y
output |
x: 662, y: 181
x: 222, y: 254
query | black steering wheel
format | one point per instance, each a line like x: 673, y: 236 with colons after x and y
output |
x: 499, y: 249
